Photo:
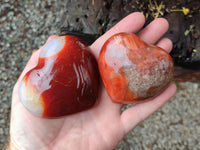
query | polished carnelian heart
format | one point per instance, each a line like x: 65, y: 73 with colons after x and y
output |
x: 65, y: 80
x: 132, y: 70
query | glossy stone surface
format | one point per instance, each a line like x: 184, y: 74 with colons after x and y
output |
x: 65, y: 80
x: 133, y: 71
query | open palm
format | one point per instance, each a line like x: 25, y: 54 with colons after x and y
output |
x: 100, y: 127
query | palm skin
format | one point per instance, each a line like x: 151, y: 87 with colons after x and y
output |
x: 102, y: 126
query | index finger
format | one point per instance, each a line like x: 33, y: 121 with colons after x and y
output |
x: 132, y: 23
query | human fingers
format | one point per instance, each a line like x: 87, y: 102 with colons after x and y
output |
x: 165, y: 44
x: 154, y: 31
x: 132, y: 23
x: 139, y: 112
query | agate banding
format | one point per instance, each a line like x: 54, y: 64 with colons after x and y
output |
x: 65, y: 80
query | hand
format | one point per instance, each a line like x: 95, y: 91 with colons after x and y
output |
x: 100, y: 127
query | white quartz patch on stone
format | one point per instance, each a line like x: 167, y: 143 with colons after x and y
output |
x: 52, y: 47
x: 30, y: 98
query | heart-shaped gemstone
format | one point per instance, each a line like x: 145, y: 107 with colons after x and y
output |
x: 132, y: 70
x: 65, y: 80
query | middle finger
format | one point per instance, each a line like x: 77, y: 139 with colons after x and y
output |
x: 154, y: 31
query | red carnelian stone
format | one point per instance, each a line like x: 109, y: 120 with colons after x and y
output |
x: 132, y: 70
x: 67, y: 81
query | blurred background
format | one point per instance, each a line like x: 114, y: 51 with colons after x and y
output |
x: 25, y: 26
